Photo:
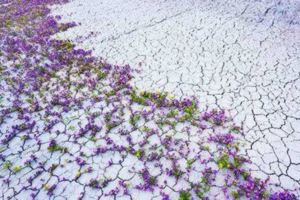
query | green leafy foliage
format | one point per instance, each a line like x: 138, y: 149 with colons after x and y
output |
x: 17, y: 169
x: 139, y: 153
x: 134, y: 119
x: 7, y: 165
x: 185, y: 195
x: 57, y: 148
x: 223, y: 162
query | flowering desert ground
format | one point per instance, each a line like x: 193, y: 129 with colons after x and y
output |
x: 150, y: 100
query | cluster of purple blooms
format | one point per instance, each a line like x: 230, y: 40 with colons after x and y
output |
x: 283, y: 195
x: 225, y: 139
x: 67, y: 117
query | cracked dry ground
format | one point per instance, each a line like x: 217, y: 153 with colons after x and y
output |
x: 73, y: 126
x: 243, y: 56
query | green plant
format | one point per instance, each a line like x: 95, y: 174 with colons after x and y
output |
x: 235, y: 194
x: 134, y: 119
x: 223, y: 162
x: 93, y: 139
x: 17, y: 169
x: 139, y: 153
x: 172, y: 113
x: 185, y: 195
x: 177, y: 173
x: 57, y: 148
x: 7, y: 165
x: 137, y: 99
x: 190, y: 162
x: 101, y: 75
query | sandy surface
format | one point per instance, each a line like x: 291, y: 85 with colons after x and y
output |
x: 243, y: 56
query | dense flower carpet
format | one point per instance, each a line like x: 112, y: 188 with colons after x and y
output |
x: 73, y: 126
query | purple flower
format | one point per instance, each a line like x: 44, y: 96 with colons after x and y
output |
x: 51, y: 190
x: 80, y: 161
x: 222, y: 138
x: 57, y: 78
x: 101, y: 150
x: 165, y: 196
x: 283, y: 196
